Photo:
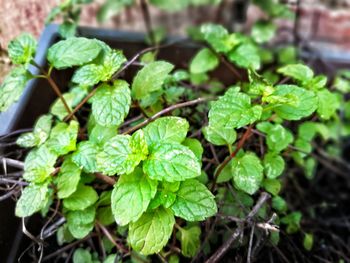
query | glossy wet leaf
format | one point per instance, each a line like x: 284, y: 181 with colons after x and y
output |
x: 219, y: 135
x: 150, y: 78
x: 171, y: 162
x: 218, y: 37
x: 205, y: 60
x: 273, y: 165
x: 85, y: 156
x: 80, y: 223
x: 247, y: 172
x: 67, y: 179
x: 32, y: 200
x: 131, y: 196
x: 88, y: 75
x: 298, y: 72
x: 233, y: 110
x: 111, y: 104
x: 74, y: 51
x: 278, y: 138
x: 246, y: 56
x: 82, y: 198
x: 151, y: 232
x: 195, y: 146
x: 328, y: 104
x: 194, y: 202
x: 166, y: 129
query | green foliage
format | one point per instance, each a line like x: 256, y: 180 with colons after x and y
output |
x: 67, y: 179
x: 190, y: 240
x: 22, y: 49
x: 82, y: 198
x: 204, y: 61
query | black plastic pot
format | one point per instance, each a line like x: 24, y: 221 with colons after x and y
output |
x: 38, y: 96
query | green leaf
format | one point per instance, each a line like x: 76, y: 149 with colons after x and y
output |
x: 151, y: 232
x: 113, y: 60
x: 12, y: 87
x: 72, y: 98
x: 63, y: 137
x: 246, y: 56
x: 205, y: 60
x: 82, y: 198
x: 85, y: 156
x: 308, y: 241
x: 328, y: 104
x: 166, y: 129
x: 190, y: 240
x: 22, y: 49
x: 247, y: 172
x: 163, y: 197
x: 273, y: 165
x: 195, y: 146
x: 278, y: 138
x: 218, y: 37
x: 39, y: 164
x: 194, y: 202
x: 131, y: 196
x: 67, y: 29
x: 82, y: 256
x: 33, y: 199
x: 233, y: 110
x: 170, y: 6
x: 302, y: 103
x: 74, y: 51
x: 298, y: 72
x: 100, y: 134
x: 287, y: 55
x: 105, y: 215
x: 88, y: 75
x: 111, y: 104
x: 263, y: 31
x: 80, y: 223
x: 122, y: 153
x: 272, y: 186
x: 150, y: 78
x: 292, y: 221
x: 67, y: 179
x: 40, y: 134
x: 279, y: 204
x: 171, y: 162
x: 219, y: 135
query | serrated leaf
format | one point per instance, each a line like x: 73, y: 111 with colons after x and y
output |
x: 195, y: 146
x: 33, y: 198
x: 22, y: 49
x: 205, y: 60
x: 67, y: 29
x: 63, y: 137
x: 278, y: 138
x: 111, y: 63
x: 298, y: 72
x: 12, y: 87
x: 166, y: 129
x: 151, y: 232
x: 74, y: 51
x: 219, y: 135
x: 121, y: 154
x: 72, y: 98
x: 80, y: 223
x: 150, y: 78
x: 246, y: 56
x: 39, y: 164
x: 328, y: 104
x: 194, y: 202
x: 111, y: 104
x: 273, y: 165
x: 171, y: 162
x: 131, y: 196
x: 82, y: 198
x: 85, y: 156
x: 233, y: 110
x: 272, y: 186
x: 247, y: 173
x: 163, y: 197
x: 218, y: 37
x: 302, y: 103
x: 88, y: 75
x: 190, y: 240
x: 67, y: 179
x: 40, y: 134
x: 263, y: 31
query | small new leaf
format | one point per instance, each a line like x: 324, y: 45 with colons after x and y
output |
x: 85, y: 156
x: 22, y: 48
x: 190, y: 240
x: 205, y: 60
x: 82, y: 198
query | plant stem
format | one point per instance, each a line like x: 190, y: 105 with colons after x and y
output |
x: 240, y: 144
x: 147, y: 20
x: 167, y: 110
x: 105, y: 178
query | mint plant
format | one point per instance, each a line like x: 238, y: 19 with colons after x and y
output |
x: 158, y: 163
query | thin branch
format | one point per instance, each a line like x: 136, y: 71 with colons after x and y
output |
x: 12, y: 162
x: 147, y: 20
x: 107, y: 179
x: 167, y: 110
x: 81, y: 104
x: 110, y: 237
x: 240, y: 144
